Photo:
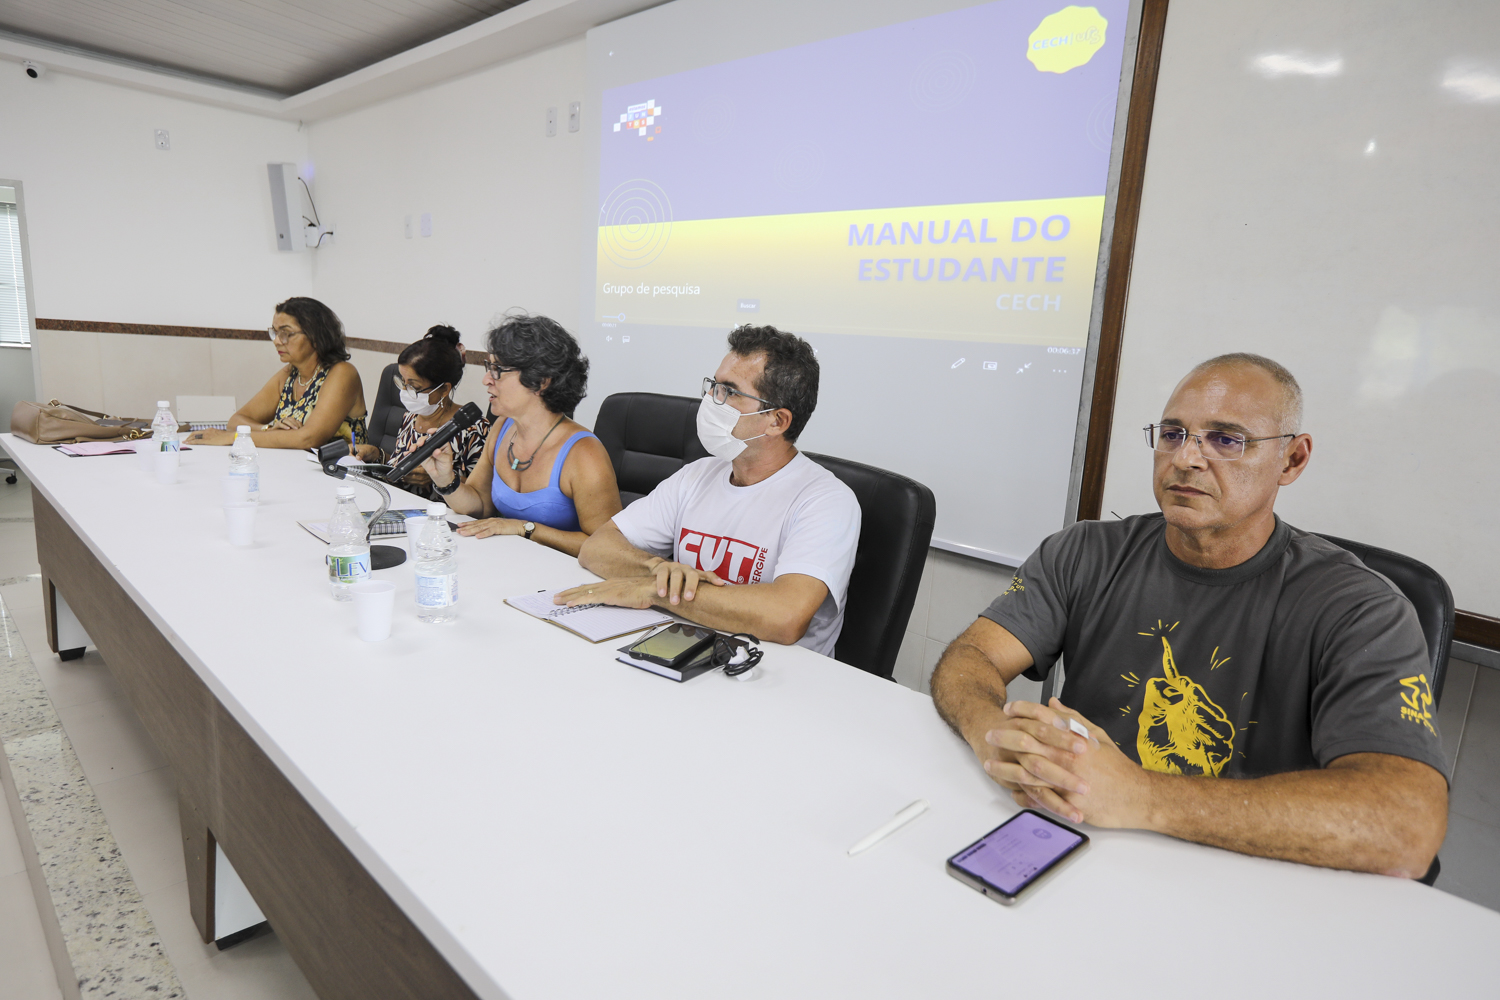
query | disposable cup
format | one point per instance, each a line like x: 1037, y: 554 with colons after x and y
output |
x: 145, y: 450
x: 236, y: 489
x: 166, y: 466
x: 374, y: 604
x: 241, y: 519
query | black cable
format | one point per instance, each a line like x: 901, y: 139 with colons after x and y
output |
x: 724, y: 651
x: 316, y: 220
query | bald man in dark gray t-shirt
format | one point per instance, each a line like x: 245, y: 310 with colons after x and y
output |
x: 1213, y: 641
x: 1286, y: 662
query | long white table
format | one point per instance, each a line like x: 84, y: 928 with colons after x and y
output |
x: 555, y: 824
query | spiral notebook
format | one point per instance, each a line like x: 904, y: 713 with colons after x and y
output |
x: 392, y: 522
x: 594, y: 622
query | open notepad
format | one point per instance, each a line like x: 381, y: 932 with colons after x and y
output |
x: 595, y: 622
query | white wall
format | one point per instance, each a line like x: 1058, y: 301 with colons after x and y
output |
x: 122, y: 231
x: 506, y: 202
x: 1343, y: 224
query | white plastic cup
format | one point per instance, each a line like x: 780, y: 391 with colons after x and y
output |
x: 166, y: 465
x: 241, y: 519
x: 236, y: 489
x: 145, y: 450
x: 374, y: 606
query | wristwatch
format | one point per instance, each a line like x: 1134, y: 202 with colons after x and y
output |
x: 446, y: 490
x: 530, y: 526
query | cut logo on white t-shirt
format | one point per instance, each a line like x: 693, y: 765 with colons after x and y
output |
x: 730, y: 559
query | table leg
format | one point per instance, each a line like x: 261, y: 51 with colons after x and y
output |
x: 198, y: 853
x: 49, y: 612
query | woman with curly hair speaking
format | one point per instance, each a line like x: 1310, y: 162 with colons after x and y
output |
x: 542, y: 475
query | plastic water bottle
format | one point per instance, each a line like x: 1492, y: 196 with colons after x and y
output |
x: 348, y: 545
x: 437, y: 567
x: 164, y: 429
x: 242, y: 460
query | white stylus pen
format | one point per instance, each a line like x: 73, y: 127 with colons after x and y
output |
x: 895, y: 823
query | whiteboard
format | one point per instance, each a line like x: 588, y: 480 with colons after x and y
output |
x: 1323, y: 187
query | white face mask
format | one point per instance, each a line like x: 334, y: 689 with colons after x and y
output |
x: 716, y: 422
x: 416, y: 403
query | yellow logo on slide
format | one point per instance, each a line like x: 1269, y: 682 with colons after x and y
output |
x: 1066, y: 40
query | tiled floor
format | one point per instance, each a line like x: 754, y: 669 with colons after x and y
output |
x: 134, y: 784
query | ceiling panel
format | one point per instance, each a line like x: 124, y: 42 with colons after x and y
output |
x: 284, y: 46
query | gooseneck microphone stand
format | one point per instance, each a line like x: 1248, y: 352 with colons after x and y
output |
x: 381, y: 556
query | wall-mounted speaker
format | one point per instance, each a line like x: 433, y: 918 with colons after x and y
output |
x: 286, y: 206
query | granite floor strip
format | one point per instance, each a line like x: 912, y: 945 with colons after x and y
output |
x: 28, y: 578
x: 110, y: 937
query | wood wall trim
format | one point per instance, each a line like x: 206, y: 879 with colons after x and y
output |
x: 219, y: 333
x: 1476, y: 629
x: 1121, y: 254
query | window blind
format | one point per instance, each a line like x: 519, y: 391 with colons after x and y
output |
x: 15, y: 328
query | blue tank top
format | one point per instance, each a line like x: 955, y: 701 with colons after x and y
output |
x: 548, y: 505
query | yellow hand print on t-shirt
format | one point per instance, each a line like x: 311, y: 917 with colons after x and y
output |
x: 1181, y: 730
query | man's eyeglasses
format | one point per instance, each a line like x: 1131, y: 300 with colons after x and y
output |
x: 721, y: 391
x: 282, y: 335
x: 1221, y: 446
x: 495, y: 369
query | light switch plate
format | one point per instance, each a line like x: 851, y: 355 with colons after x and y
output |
x: 575, y: 113
x: 551, y: 122
x: 408, y: 227
x: 163, y: 139
x: 426, y: 223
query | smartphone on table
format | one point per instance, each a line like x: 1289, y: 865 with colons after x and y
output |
x: 674, y: 645
x: 1017, y: 856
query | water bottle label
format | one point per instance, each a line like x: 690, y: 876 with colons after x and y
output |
x: 349, y: 569
x: 170, y: 444
x: 437, y: 591
x: 253, y: 478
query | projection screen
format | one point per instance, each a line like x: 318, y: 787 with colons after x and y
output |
x: 918, y: 189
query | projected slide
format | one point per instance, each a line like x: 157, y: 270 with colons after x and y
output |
x: 940, y: 179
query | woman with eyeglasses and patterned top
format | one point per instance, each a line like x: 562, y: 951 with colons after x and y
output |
x: 428, y: 372
x: 541, y: 474
x: 316, y: 397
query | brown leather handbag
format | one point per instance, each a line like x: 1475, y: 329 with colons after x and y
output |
x: 59, y: 423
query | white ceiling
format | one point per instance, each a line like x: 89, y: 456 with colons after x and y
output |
x: 281, y: 46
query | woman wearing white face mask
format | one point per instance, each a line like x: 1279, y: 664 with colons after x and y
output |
x: 428, y: 372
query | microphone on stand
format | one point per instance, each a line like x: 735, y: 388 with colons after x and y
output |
x: 467, y: 416
x: 381, y: 556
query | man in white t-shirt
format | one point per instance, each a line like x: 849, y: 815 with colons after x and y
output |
x: 769, y: 529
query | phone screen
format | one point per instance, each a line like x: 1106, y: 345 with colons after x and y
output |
x: 1016, y: 852
x: 670, y: 642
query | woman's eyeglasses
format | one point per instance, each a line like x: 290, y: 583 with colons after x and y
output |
x: 402, y: 384
x: 281, y: 335
x: 495, y: 369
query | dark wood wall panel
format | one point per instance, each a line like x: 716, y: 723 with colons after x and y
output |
x: 1121, y: 255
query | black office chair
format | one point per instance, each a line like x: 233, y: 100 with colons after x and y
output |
x: 1430, y: 595
x: 896, y: 519
x: 648, y: 436
x: 386, y: 415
